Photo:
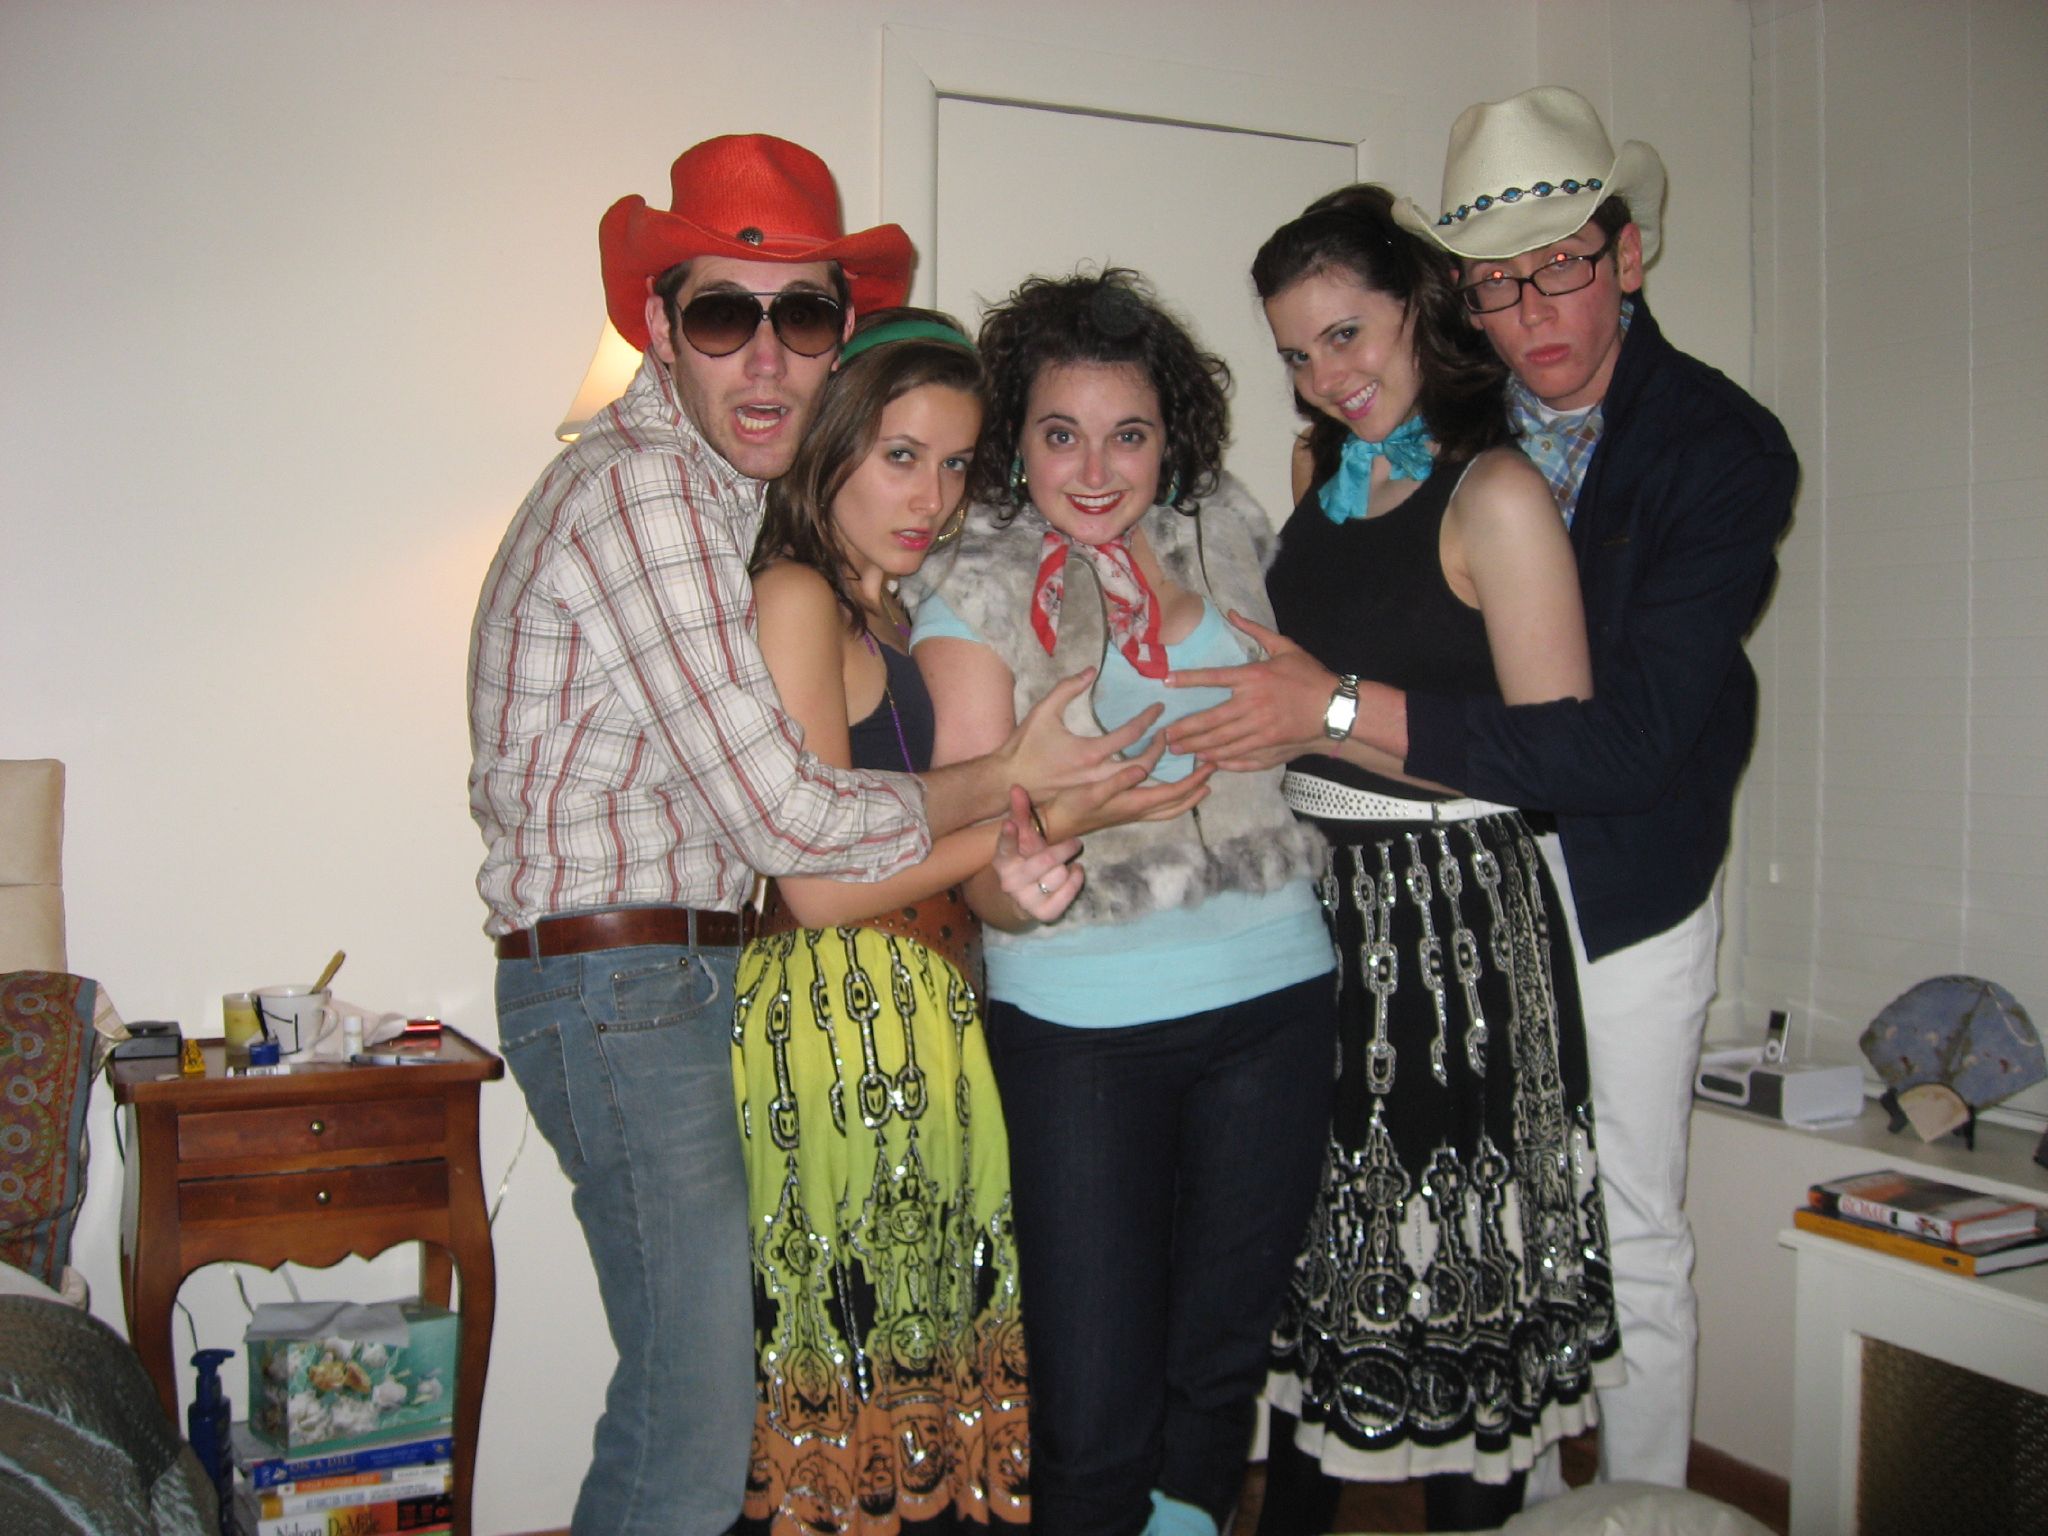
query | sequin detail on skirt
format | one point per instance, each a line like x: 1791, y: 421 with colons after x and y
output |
x: 889, y: 1344
x: 1452, y: 1307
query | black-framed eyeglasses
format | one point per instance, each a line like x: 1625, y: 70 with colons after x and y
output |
x: 1554, y: 279
x: 722, y: 321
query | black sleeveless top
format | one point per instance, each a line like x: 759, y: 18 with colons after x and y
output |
x: 1369, y: 596
x: 874, y: 741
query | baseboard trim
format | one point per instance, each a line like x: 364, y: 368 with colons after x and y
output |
x: 1762, y: 1495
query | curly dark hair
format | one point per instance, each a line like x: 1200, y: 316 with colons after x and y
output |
x: 1351, y: 233
x: 1112, y: 317
x: 797, y: 524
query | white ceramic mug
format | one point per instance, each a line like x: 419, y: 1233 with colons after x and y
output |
x: 295, y: 1016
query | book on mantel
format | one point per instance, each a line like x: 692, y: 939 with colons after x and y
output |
x: 1976, y: 1259
x: 1907, y: 1210
x: 1927, y: 1208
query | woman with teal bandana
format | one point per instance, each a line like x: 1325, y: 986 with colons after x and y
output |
x: 1451, y: 1306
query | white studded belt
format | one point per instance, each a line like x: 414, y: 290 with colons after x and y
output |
x: 1329, y: 801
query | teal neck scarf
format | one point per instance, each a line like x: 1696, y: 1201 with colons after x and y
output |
x: 1410, y: 455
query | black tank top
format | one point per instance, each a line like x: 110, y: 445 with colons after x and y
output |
x: 874, y: 742
x: 1369, y: 596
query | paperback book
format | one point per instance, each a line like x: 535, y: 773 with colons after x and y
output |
x: 391, y: 1517
x: 267, y: 1467
x: 401, y: 1483
x: 1945, y: 1213
x: 1975, y: 1259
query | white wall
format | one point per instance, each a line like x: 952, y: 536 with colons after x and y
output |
x: 1897, y: 801
x: 291, y: 294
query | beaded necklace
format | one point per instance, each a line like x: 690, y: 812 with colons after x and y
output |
x: 889, y: 694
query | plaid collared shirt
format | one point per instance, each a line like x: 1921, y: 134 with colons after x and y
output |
x: 1559, y: 443
x: 625, y: 742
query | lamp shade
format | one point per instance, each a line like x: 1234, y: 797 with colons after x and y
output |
x: 612, y: 367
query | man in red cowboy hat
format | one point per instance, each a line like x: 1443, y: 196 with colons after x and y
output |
x: 1676, y: 486
x: 632, y: 770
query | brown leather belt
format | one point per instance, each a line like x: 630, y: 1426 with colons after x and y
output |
x: 578, y: 933
x: 942, y: 923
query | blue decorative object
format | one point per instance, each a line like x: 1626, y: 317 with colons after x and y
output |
x: 1410, y: 453
x: 1568, y: 186
x: 1957, y: 1036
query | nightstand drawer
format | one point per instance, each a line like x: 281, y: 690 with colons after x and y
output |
x: 337, y: 1191
x: 311, y: 1130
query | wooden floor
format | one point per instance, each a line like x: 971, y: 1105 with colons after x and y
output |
x: 1398, y: 1506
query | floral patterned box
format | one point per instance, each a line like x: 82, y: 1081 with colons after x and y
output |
x: 338, y: 1374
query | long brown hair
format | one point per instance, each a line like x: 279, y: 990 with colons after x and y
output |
x: 797, y: 524
x: 1351, y: 233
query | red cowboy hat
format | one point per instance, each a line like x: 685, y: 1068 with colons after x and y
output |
x: 752, y: 197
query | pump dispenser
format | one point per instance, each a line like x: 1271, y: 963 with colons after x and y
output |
x: 206, y: 1427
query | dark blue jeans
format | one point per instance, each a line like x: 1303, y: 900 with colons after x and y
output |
x: 625, y: 1058
x: 1162, y: 1177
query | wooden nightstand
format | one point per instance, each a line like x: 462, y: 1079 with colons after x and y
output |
x: 308, y: 1167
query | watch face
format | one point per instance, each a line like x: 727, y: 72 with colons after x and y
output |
x: 1342, y: 711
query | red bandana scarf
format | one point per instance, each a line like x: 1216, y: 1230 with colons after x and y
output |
x: 1133, y: 611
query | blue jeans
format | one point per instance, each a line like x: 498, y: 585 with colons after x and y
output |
x: 625, y: 1058
x: 1162, y: 1176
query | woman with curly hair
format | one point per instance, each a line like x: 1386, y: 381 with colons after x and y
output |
x: 1452, y: 1306
x: 1164, y: 1047
x: 892, y: 1385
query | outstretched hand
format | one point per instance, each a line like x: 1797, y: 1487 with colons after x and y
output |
x: 1042, y: 878
x: 1044, y: 757
x: 1274, y: 712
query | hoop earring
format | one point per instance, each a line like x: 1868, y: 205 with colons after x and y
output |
x: 954, y: 525
x: 1017, y: 483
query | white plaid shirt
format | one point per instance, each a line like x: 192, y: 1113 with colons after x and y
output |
x: 626, y: 746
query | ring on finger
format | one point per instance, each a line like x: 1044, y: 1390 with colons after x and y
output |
x: 1042, y: 889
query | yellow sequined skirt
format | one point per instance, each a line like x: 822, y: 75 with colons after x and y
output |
x: 889, y: 1344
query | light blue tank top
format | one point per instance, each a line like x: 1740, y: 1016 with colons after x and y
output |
x: 1167, y: 964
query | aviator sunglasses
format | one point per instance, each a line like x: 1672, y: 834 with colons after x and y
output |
x: 719, y: 323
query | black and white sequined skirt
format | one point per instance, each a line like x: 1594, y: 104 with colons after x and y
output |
x: 1452, y: 1307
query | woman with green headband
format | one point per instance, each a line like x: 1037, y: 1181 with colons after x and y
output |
x: 890, y: 1359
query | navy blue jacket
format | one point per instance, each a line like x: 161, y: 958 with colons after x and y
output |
x: 1677, y: 529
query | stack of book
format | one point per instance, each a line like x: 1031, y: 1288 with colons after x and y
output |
x: 399, y: 1484
x: 1942, y: 1225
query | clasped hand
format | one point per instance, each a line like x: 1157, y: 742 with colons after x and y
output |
x: 1037, y: 851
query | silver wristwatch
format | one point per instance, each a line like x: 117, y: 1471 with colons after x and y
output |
x: 1343, y: 708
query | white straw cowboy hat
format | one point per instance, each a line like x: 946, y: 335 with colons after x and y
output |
x: 1526, y: 172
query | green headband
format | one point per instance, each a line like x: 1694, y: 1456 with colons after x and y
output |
x: 904, y: 330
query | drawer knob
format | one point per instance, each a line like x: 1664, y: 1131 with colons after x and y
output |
x: 322, y: 1198
x: 318, y: 1127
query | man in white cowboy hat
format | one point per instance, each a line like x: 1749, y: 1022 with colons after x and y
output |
x: 1677, y: 487
x: 632, y: 770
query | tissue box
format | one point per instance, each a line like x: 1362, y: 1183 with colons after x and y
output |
x: 336, y: 1374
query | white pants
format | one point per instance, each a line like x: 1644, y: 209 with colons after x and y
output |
x: 1646, y: 1011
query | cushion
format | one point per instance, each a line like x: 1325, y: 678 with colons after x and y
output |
x: 31, y: 864
x: 46, y: 1066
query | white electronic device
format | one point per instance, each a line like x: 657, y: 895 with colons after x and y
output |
x: 1795, y: 1092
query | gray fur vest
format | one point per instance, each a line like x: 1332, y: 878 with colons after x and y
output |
x: 1242, y: 837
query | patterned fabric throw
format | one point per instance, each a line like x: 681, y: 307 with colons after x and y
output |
x: 46, y: 1045
x: 1410, y: 453
x: 1133, y: 611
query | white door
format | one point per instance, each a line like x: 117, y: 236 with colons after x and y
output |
x: 1004, y: 161
x: 1024, y: 190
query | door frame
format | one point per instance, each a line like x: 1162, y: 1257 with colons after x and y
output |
x: 921, y: 66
